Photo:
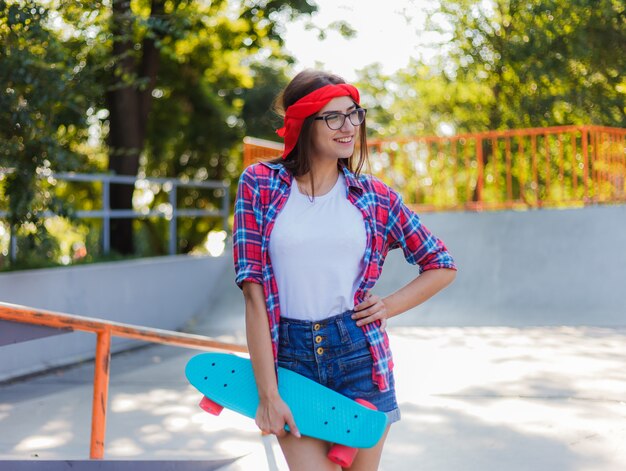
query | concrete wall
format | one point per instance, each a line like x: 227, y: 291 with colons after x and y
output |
x: 162, y: 292
x: 531, y: 268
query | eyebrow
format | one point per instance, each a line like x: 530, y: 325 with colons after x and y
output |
x: 353, y: 107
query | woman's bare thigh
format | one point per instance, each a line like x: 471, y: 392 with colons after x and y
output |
x: 368, y: 459
x: 305, y: 453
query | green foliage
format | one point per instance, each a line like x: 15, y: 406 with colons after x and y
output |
x: 43, y: 103
x: 210, y: 91
x: 509, y: 64
x: 29, y: 117
x: 504, y: 64
x: 218, y: 67
x: 61, y: 63
x: 257, y: 112
x: 544, y: 62
x: 419, y: 99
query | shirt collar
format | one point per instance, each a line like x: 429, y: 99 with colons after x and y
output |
x: 283, y: 173
x: 351, y: 181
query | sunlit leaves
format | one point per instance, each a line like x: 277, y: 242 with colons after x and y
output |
x: 59, y: 62
x: 42, y: 105
x: 537, y: 56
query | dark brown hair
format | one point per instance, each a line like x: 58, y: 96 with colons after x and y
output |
x: 298, y: 162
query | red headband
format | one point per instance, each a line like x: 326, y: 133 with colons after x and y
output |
x: 308, y: 105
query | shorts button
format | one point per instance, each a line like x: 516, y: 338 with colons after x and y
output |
x: 320, y: 351
x: 317, y: 327
x: 318, y: 339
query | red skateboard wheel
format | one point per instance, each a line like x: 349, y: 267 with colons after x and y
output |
x: 211, y: 407
x: 367, y: 404
x: 342, y: 455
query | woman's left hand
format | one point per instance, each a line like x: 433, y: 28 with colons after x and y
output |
x: 371, y: 309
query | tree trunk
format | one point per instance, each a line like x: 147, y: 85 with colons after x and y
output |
x: 129, y: 107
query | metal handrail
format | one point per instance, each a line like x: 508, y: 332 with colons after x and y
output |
x: 106, y: 213
x: 105, y: 330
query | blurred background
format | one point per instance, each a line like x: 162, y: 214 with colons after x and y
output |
x: 163, y: 92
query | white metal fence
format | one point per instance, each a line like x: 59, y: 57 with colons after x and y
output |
x: 172, y: 212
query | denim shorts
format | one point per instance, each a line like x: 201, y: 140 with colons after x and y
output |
x: 334, y: 352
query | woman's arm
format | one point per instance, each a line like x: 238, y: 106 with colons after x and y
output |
x: 420, y: 247
x: 413, y: 294
x: 272, y: 413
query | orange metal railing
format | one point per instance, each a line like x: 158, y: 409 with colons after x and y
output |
x: 105, y: 330
x: 255, y: 150
x: 564, y: 166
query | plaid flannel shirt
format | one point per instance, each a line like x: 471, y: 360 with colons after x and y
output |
x: 263, y: 191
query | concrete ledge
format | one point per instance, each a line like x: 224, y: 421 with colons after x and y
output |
x: 162, y: 292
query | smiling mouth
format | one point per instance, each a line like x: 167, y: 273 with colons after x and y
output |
x: 344, y: 140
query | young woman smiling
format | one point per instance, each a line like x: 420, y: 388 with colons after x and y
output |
x: 310, y: 236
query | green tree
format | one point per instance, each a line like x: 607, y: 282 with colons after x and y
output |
x: 510, y: 64
x: 545, y: 62
x: 43, y: 116
x: 200, y: 46
x: 503, y: 64
x: 165, y: 80
x: 419, y: 99
x: 257, y: 112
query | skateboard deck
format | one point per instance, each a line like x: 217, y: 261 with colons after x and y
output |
x: 319, y: 412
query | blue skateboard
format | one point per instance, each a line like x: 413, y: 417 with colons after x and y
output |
x: 227, y: 380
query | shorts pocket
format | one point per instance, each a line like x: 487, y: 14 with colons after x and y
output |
x: 288, y: 363
x: 356, y: 377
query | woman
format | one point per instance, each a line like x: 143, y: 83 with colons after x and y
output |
x: 310, y: 238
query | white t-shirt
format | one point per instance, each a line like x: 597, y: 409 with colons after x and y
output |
x: 317, y: 250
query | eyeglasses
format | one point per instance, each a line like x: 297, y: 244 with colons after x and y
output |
x: 336, y: 121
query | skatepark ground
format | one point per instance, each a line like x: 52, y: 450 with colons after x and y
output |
x: 503, y: 397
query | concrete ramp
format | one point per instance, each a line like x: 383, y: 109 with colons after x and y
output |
x: 532, y: 268
x: 522, y: 269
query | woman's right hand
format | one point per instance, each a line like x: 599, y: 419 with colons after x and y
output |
x: 273, y: 414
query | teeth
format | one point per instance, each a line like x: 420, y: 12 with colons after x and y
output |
x: 344, y: 139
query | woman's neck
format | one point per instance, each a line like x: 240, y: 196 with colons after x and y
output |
x: 325, y: 176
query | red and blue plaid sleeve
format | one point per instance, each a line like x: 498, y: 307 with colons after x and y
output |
x: 419, y: 245
x: 247, y: 231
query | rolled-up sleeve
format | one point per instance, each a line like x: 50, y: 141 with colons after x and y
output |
x: 419, y: 245
x: 247, y: 232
